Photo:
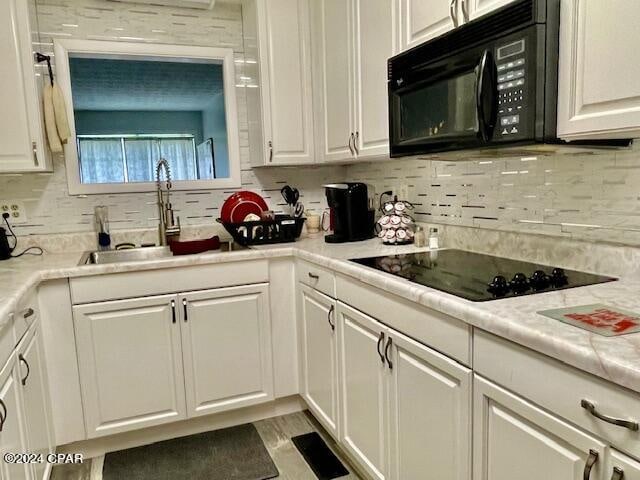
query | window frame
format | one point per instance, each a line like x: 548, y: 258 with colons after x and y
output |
x: 63, y: 48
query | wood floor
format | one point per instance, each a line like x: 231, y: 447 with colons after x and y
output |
x: 276, y: 434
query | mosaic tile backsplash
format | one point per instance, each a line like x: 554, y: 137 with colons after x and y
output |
x: 49, y: 207
x: 583, y: 197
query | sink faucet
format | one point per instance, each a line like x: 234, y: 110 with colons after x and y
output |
x: 166, y: 226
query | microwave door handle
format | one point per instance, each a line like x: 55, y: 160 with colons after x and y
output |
x: 486, y: 94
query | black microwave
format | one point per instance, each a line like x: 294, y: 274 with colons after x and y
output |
x: 492, y: 82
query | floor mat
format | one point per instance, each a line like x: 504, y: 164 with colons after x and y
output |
x: 319, y: 456
x: 235, y: 453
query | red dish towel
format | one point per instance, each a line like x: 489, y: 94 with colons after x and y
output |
x: 194, y: 246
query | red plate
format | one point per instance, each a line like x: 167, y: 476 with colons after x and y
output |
x: 241, y: 204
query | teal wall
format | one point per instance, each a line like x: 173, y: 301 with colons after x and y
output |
x: 91, y: 122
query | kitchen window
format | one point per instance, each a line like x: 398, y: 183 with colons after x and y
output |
x: 136, y: 157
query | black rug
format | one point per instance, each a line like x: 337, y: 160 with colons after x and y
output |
x: 319, y: 456
x: 235, y: 453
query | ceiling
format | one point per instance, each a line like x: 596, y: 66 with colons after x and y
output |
x: 107, y: 84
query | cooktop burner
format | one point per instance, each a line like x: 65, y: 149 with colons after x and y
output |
x: 479, y: 277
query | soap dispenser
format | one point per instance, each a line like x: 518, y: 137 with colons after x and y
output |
x: 101, y: 216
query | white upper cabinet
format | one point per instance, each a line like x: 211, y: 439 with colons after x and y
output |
x: 284, y: 49
x: 421, y: 21
x: 598, y: 91
x: 472, y: 9
x: 22, y: 147
x: 353, y: 39
x: 333, y: 61
x: 223, y: 329
x: 374, y: 43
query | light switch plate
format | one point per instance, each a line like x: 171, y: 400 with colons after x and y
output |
x: 16, y: 210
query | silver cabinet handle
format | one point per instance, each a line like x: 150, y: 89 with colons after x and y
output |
x: 29, y: 312
x: 355, y: 143
x: 329, y: 313
x: 380, y: 340
x: 173, y: 311
x: 386, y: 353
x: 270, y: 151
x: 26, y: 364
x: 452, y: 12
x: 465, y: 11
x: 588, y: 465
x: 618, y: 474
x: 314, y: 276
x: 34, y: 146
x: 350, y: 147
x: 591, y: 408
x: 185, y: 309
x: 3, y: 414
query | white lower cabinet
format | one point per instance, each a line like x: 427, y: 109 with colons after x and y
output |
x: 12, y: 427
x: 430, y: 413
x: 622, y: 467
x: 130, y: 361
x: 363, y: 377
x: 515, y: 439
x: 33, y: 378
x: 154, y: 360
x: 319, y: 356
x: 406, y: 409
x: 226, y: 348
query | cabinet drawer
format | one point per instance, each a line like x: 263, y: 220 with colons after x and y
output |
x: 441, y: 332
x: 154, y: 282
x: 316, y: 277
x: 25, y: 314
x: 559, y: 388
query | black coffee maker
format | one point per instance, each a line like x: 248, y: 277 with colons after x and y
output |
x: 351, y: 217
x: 5, y: 249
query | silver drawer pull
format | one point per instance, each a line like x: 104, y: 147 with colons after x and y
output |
x: 618, y: 474
x: 29, y: 312
x: 588, y: 465
x: 314, y: 276
x: 591, y: 408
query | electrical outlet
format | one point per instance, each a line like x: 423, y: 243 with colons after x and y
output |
x: 16, y: 210
x: 403, y: 192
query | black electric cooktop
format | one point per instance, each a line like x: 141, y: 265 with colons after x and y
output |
x: 479, y: 277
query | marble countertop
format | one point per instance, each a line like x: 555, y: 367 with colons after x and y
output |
x: 613, y: 358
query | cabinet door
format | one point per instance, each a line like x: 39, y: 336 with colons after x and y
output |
x: 130, y: 361
x: 20, y: 126
x: 374, y: 34
x: 12, y: 434
x: 598, y: 96
x: 430, y: 413
x: 515, y: 439
x: 285, y: 70
x: 319, y: 356
x: 477, y: 8
x: 35, y: 393
x: 421, y: 21
x: 226, y: 345
x: 332, y: 27
x: 622, y: 467
x: 363, y: 378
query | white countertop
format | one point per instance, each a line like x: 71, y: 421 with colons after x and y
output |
x: 613, y: 358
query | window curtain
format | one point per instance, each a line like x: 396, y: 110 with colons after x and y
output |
x: 101, y: 161
x: 142, y: 156
x: 179, y: 153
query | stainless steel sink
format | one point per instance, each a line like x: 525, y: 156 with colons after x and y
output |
x: 100, y: 257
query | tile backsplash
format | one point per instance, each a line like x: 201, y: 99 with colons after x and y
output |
x: 50, y: 208
x: 583, y: 197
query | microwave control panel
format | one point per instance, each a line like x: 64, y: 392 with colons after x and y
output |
x: 512, y: 91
